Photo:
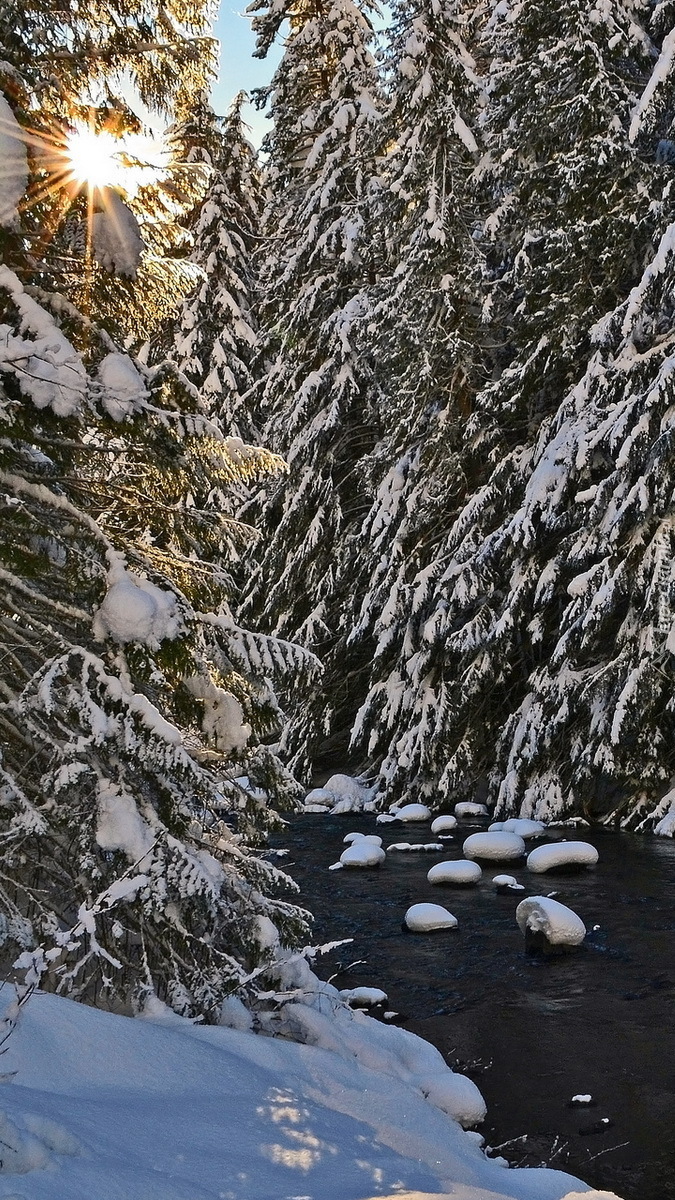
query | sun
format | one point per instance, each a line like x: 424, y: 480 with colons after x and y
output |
x: 94, y: 158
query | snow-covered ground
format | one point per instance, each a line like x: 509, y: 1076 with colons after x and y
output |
x: 106, y: 1107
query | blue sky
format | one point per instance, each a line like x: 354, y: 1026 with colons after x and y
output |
x: 238, y: 69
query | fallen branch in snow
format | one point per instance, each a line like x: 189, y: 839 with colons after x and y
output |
x: 10, y: 1019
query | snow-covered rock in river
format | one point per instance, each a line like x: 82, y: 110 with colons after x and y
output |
x: 562, y: 854
x: 459, y: 872
x: 507, y: 883
x: 362, y: 853
x: 363, y: 997
x: 557, y: 923
x: 520, y: 825
x: 497, y: 847
x: 424, y: 847
x: 425, y: 918
x: 343, y: 793
x: 413, y: 812
x: 443, y: 824
x: 468, y: 808
x: 362, y: 837
x: 319, y: 800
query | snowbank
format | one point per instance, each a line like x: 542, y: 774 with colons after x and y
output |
x: 319, y: 800
x: 559, y: 924
x: 497, y: 847
x: 562, y: 854
x: 117, y: 1109
x: 424, y: 918
x: 457, y: 872
x: 665, y: 825
x: 362, y: 837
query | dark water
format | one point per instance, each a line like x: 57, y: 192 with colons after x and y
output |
x: 532, y: 1032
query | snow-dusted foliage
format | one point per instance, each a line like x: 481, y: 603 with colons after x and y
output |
x: 14, y: 159
x: 215, y: 335
x: 575, y: 211
x: 315, y: 399
x: 596, y: 724
x: 131, y: 705
x: 116, y: 767
x: 571, y: 225
x: 116, y: 240
x: 424, y: 336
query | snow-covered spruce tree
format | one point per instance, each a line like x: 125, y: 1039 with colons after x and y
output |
x: 215, y: 336
x: 591, y: 548
x: 130, y: 703
x: 425, y: 333
x: 572, y: 227
x: 593, y: 732
x: 316, y: 396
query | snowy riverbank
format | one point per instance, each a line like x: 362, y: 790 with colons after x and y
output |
x: 120, y: 1109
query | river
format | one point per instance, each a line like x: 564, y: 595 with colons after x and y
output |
x: 531, y: 1032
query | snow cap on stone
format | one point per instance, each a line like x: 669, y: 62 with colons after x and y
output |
x: 469, y: 808
x: 457, y: 872
x: 559, y: 924
x: 362, y: 853
x: 562, y: 854
x: 424, y: 918
x: 443, y: 824
x: 413, y: 812
x: 498, y: 847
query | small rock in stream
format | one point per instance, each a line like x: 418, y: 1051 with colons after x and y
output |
x: 597, y: 1127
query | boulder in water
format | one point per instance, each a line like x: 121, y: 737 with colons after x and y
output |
x: 562, y: 856
x: 427, y: 918
x: 458, y: 873
x: 549, y: 927
x: 496, y: 847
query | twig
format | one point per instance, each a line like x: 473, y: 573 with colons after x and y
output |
x: 608, y: 1150
x: 359, y: 962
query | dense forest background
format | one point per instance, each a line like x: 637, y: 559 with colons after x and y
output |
x: 356, y: 452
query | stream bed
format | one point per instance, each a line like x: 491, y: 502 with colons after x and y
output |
x: 532, y: 1032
